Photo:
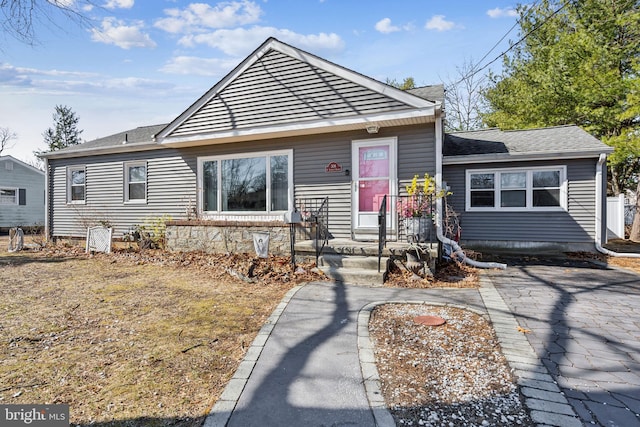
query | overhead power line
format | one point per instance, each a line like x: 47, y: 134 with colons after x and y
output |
x: 475, y: 70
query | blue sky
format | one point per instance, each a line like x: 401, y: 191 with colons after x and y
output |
x: 136, y: 63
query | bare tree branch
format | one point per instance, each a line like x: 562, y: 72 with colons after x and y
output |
x: 463, y: 99
x: 18, y: 17
x: 6, y: 136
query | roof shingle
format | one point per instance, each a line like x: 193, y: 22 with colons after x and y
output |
x: 559, y: 139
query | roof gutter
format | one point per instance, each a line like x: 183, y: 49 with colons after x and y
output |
x: 455, y: 247
x: 102, y: 151
x: 599, y: 209
x: 510, y: 157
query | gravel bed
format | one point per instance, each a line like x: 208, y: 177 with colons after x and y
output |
x: 448, y: 375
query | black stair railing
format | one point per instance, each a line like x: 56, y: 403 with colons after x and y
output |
x: 315, y: 212
x: 411, y: 219
x: 382, y: 229
x: 321, y: 218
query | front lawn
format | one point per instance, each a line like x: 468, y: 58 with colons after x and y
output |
x: 124, y: 340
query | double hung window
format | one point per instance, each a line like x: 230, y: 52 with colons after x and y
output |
x: 135, y: 174
x: 76, y: 184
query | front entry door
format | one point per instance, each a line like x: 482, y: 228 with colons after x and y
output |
x: 374, y: 175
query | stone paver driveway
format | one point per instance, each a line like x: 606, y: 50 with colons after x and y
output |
x: 585, y: 327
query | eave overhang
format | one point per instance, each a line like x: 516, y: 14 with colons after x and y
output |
x: 102, y: 151
x: 342, y: 124
x: 523, y: 157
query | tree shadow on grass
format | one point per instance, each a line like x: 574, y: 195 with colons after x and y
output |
x: 19, y: 260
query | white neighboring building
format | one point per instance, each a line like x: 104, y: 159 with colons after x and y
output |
x: 22, y: 194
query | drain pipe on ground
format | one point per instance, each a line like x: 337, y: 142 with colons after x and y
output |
x: 456, y: 251
x: 599, y: 201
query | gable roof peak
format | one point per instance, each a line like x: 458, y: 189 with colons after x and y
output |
x: 282, y: 77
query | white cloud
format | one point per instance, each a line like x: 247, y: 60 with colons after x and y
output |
x: 241, y: 41
x: 198, y: 17
x: 11, y: 76
x: 35, y: 81
x: 438, y: 23
x: 70, y: 4
x: 384, y: 26
x: 508, y: 12
x: 199, y: 66
x: 119, y: 4
x: 125, y: 36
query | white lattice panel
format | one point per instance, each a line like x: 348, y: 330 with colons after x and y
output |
x: 99, y: 239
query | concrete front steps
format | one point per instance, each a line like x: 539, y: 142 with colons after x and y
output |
x: 356, y: 262
x: 355, y: 269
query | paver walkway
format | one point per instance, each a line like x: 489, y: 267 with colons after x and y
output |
x: 585, y: 328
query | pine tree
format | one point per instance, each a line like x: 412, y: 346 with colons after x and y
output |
x: 65, y: 132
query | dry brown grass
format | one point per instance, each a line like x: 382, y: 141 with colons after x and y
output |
x: 126, y: 341
x: 616, y: 245
x: 628, y: 263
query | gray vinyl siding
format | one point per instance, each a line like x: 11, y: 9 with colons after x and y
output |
x: 279, y: 89
x: 416, y: 155
x: 33, y: 182
x: 311, y: 155
x: 171, y: 177
x: 575, y: 225
x: 170, y: 184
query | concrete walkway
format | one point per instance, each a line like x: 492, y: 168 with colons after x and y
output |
x: 306, y: 365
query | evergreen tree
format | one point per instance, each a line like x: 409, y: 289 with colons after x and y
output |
x: 578, y: 62
x: 65, y: 132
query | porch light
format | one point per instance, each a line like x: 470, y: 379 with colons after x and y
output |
x: 373, y: 129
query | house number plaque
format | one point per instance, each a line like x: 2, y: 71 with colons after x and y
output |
x: 333, y: 167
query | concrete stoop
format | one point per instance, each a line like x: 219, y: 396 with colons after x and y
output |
x: 356, y: 262
x: 355, y: 269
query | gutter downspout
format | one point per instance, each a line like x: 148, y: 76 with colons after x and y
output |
x: 47, y: 202
x: 598, y: 222
x: 455, y: 247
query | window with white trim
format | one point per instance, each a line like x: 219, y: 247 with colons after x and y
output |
x: 8, y: 196
x: 517, y: 189
x: 76, y: 184
x: 246, y: 183
x: 135, y: 182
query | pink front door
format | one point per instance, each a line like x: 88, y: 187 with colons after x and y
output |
x: 374, y: 177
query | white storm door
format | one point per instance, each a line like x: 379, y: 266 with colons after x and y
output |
x: 374, y: 176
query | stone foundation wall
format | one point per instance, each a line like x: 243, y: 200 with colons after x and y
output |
x: 225, y: 236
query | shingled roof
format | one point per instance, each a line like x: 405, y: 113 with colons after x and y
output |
x: 559, y: 141
x: 129, y: 139
x: 433, y: 93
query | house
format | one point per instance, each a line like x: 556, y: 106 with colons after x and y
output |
x: 287, y: 130
x: 22, y: 194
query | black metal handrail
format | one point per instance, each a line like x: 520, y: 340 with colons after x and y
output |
x: 382, y: 229
x: 412, y: 215
x: 315, y: 211
x: 321, y: 218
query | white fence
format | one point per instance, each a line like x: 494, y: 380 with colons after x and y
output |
x: 619, y: 214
